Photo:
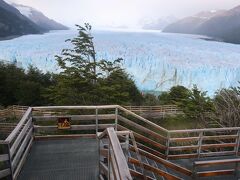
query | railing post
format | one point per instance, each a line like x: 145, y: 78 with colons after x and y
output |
x: 10, y: 160
x: 32, y: 124
x: 167, y: 144
x: 236, y: 170
x: 96, y: 120
x: 109, y: 161
x: 127, y: 142
x: 237, y: 142
x: 116, y: 118
x: 194, y: 173
x: 200, y: 144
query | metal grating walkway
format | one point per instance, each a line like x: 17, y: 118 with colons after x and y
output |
x: 75, y: 159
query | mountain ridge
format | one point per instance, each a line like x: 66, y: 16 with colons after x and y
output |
x: 13, y: 23
x: 39, y: 18
x: 223, y: 25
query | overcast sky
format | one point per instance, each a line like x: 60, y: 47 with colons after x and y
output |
x: 129, y: 13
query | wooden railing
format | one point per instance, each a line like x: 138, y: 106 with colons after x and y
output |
x: 197, y: 143
x: 5, y: 170
x: 158, y: 111
x: 18, y: 143
x: 163, y: 108
x: 213, y: 163
x: 152, y: 140
x: 113, y: 164
x: 12, y: 111
x: 85, y: 120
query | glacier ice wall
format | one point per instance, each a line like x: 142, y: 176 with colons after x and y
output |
x: 157, y: 61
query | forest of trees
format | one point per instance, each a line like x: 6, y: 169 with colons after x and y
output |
x: 85, y: 80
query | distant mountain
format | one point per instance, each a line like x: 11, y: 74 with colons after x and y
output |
x: 225, y: 26
x: 13, y: 23
x: 18, y: 20
x: 190, y: 25
x: 159, y: 24
x: 39, y: 18
x: 222, y: 25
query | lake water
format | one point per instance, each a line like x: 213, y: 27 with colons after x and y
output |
x: 157, y: 61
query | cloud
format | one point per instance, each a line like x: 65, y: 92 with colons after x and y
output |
x: 122, y: 12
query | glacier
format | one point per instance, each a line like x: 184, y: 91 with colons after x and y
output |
x: 156, y: 61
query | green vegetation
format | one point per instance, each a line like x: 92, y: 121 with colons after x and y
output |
x: 20, y: 87
x: 85, y: 80
x: 199, y: 109
x: 196, y: 106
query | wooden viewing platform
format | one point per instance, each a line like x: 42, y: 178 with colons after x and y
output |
x: 111, y: 142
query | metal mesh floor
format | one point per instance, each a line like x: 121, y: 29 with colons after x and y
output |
x: 62, y: 160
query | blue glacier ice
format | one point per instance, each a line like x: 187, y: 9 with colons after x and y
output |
x: 157, y: 61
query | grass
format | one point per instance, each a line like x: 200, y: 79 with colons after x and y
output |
x: 176, y: 123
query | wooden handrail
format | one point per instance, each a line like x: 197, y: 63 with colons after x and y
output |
x: 142, y: 128
x: 216, y: 162
x: 75, y: 107
x: 117, y: 158
x: 143, y: 119
x: 205, y: 130
x: 218, y: 172
x: 19, y: 126
x: 75, y: 117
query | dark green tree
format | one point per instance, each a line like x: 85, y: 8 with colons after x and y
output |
x: 10, y: 80
x: 198, y: 106
x: 150, y: 100
x: 86, y: 80
x: 32, y: 87
x: 178, y: 94
x: 18, y: 86
x: 175, y: 95
x: 164, y: 98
